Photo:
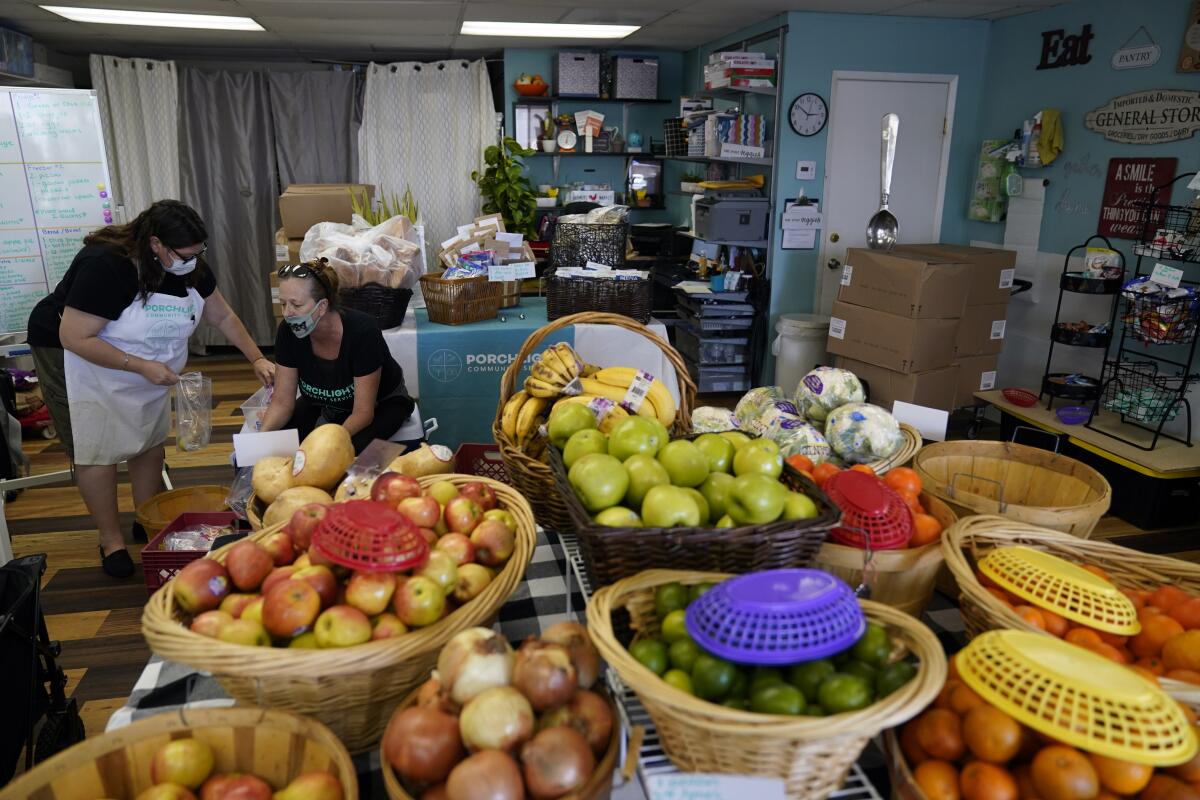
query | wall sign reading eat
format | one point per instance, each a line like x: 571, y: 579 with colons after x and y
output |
x: 1152, y: 116
x: 1131, y: 181
x: 1061, y: 50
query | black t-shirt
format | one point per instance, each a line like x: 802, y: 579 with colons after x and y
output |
x: 330, y: 384
x: 102, y: 283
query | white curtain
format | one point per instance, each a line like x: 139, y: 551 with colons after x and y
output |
x: 139, y: 106
x: 425, y: 126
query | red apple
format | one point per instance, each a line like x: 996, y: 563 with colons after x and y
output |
x: 441, y: 569
x: 458, y: 547
x: 201, y: 585
x: 290, y: 608
x: 279, y: 574
x: 317, y: 560
x: 312, y: 786
x: 210, y: 622
x: 419, y: 602
x: 494, y: 543
x: 462, y: 514
x: 370, y: 592
x: 386, y: 626
x: 166, y: 791
x: 342, y: 626
x: 281, y: 547
x: 186, y: 762
x: 428, y: 535
x: 392, y: 487
x: 472, y: 580
x: 245, y: 631
x: 320, y: 578
x: 304, y: 522
x: 481, y: 493
x: 233, y: 786
x: 423, y: 511
x: 248, y: 563
x: 504, y: 515
x: 234, y: 604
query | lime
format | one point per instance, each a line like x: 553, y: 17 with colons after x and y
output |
x: 712, y: 677
x: 651, y: 654
x: 777, y: 698
x: 683, y: 654
x: 669, y: 597
x: 874, y: 646
x: 892, y: 677
x: 814, y: 710
x: 674, y: 627
x: 862, y: 670
x: 741, y: 685
x: 698, y: 589
x: 807, y: 677
x: 843, y: 658
x: 764, y: 676
x: 679, y: 679
x: 841, y: 692
x: 740, y: 703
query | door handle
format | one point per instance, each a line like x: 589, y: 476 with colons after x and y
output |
x: 833, y: 263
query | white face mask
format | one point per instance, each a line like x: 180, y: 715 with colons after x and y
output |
x: 180, y: 267
x: 303, y: 324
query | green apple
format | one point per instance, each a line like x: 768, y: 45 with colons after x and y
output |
x: 634, y: 435
x: 599, y: 481
x: 755, y: 499
x: 736, y: 438
x: 566, y: 420
x: 718, y: 450
x: 759, y: 456
x: 644, y: 474
x: 701, y: 503
x: 618, y: 517
x: 443, y: 491
x: 799, y: 506
x: 670, y: 507
x: 716, y: 492
x: 588, y: 440
x: 726, y: 522
x: 685, y: 463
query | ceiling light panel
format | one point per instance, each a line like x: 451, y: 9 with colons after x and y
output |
x: 154, y: 19
x: 527, y: 30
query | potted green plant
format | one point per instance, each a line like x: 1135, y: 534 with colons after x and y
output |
x: 505, y: 188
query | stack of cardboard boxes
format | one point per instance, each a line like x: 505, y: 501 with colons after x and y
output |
x: 923, y: 324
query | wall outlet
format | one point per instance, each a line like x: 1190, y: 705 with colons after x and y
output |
x: 806, y: 170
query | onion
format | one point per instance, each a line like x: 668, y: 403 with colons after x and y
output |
x: 432, y: 694
x: 496, y: 719
x: 574, y: 637
x: 474, y: 660
x: 422, y: 744
x: 437, y: 792
x: 487, y: 775
x: 543, y: 672
x: 588, y: 713
x: 556, y: 761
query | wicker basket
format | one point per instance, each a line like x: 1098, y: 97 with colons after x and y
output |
x: 532, y: 477
x: 457, y: 302
x: 907, y: 452
x: 352, y: 690
x: 902, y: 579
x: 576, y: 243
x: 904, y: 784
x: 812, y: 754
x: 1022, y: 483
x: 572, y: 295
x: 967, y: 542
x: 387, y: 306
x: 274, y: 745
x: 161, y: 510
x: 599, y: 787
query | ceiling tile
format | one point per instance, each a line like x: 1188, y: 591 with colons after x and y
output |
x: 513, y: 12
x: 352, y: 9
x: 619, y: 16
x: 338, y: 29
x: 950, y: 8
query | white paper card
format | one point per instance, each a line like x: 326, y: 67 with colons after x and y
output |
x: 799, y: 239
x: 987, y: 380
x: 695, y: 287
x: 930, y: 422
x: 1194, y: 183
x: 837, y: 328
x: 1166, y: 276
x: 596, y: 265
x: 249, y: 448
x: 741, y: 151
x: 1006, y: 278
x: 998, y: 326
x: 513, y: 240
x: 464, y: 231
x: 281, y: 252
x: 470, y: 248
x: 847, y: 274
x: 699, y: 786
x: 511, y: 272
x: 802, y: 218
x: 452, y: 240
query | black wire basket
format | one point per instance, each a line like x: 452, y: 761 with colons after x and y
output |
x: 573, y: 295
x: 676, y: 135
x: 387, y: 306
x: 1136, y: 391
x: 1161, y: 321
x: 575, y: 244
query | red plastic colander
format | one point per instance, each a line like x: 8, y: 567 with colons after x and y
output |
x: 369, y: 536
x: 872, y: 513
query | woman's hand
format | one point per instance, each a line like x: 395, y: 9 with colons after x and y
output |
x: 158, y: 373
x: 264, y: 370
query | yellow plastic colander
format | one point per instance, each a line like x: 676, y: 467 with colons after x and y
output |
x: 1066, y: 589
x: 1077, y: 697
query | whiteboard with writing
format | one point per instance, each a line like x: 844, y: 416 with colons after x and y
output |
x: 54, y: 189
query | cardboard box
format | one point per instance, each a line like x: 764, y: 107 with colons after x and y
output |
x: 991, y: 269
x: 981, y: 331
x: 975, y: 374
x: 901, y: 344
x: 935, y: 388
x: 287, y: 251
x: 303, y: 205
x: 909, y: 284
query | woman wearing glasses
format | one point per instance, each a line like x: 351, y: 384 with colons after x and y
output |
x: 111, y: 339
x: 338, y: 360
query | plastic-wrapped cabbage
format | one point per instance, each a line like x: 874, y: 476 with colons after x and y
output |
x: 759, y: 407
x: 710, y: 419
x: 861, y: 433
x: 824, y: 389
x: 802, y: 439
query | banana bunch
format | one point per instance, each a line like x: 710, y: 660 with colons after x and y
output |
x: 614, y: 382
x: 615, y: 412
x: 558, y: 366
x: 520, y: 418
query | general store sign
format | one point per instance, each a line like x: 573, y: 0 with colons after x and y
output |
x: 1132, y: 181
x: 1152, y: 116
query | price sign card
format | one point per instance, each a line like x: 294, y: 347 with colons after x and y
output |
x: 511, y: 272
x: 700, y: 786
x: 1166, y: 276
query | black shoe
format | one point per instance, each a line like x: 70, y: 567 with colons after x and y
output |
x: 139, y: 533
x: 118, y: 564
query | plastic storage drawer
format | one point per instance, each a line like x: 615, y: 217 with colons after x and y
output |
x: 718, y: 378
x: 711, y: 349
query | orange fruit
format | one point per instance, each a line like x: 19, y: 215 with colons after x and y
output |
x: 823, y: 472
x: 1136, y: 596
x: 1108, y: 651
x: 938, y: 780
x: 1114, y: 639
x: 1152, y: 664
x: 939, y: 732
x: 913, y: 501
x: 1149, y: 611
x: 903, y: 479
x: 991, y: 735
x: 1189, y: 771
x: 1097, y: 571
x: 984, y: 580
x: 1145, y: 673
x: 943, y: 698
x: 1167, y: 597
x: 1031, y: 615
x: 1083, y: 637
x: 926, y: 530
x: 1063, y: 773
x: 801, y: 462
x: 1025, y: 788
x: 952, y: 667
x: 864, y: 468
x: 999, y: 594
x: 1030, y: 744
x: 1187, y: 613
x: 914, y: 754
x: 1182, y: 651
x: 1055, y: 624
x: 1164, y: 787
x: 964, y: 699
x: 1121, y: 777
x: 980, y: 780
x: 1156, y: 630
x: 1185, y: 675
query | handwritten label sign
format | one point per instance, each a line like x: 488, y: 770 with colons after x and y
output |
x: 1152, y: 116
x: 798, y: 218
x: 1164, y: 275
x: 1132, y: 181
x: 511, y: 272
x: 741, y: 151
x: 699, y: 786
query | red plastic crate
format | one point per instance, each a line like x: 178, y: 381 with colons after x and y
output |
x: 483, y: 460
x: 159, y: 566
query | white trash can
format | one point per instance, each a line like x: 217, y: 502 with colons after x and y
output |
x: 798, y: 347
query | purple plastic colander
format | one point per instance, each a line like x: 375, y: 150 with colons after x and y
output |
x: 781, y: 616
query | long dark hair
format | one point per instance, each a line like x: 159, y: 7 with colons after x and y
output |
x: 176, y: 225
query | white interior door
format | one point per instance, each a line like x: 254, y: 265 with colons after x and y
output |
x: 925, y: 104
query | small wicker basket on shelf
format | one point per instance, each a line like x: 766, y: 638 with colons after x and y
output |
x: 567, y: 294
x: 459, y: 301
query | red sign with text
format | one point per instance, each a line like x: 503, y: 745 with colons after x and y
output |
x: 1131, y: 181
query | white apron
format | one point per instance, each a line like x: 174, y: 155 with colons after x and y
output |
x: 115, y: 414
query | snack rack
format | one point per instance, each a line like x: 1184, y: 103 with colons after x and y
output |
x: 1147, y: 379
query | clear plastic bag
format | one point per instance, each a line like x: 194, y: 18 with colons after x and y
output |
x: 388, y: 254
x: 193, y: 412
x: 240, y: 491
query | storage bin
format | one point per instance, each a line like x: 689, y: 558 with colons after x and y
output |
x: 577, y: 74
x: 718, y: 378
x: 159, y: 566
x: 742, y: 219
x: 798, y: 347
x: 636, y: 78
x: 715, y: 350
x: 575, y: 244
x: 572, y: 295
x: 457, y: 302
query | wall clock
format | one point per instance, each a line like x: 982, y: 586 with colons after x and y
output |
x: 808, y: 114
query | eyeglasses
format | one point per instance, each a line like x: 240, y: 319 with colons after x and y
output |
x: 192, y: 257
